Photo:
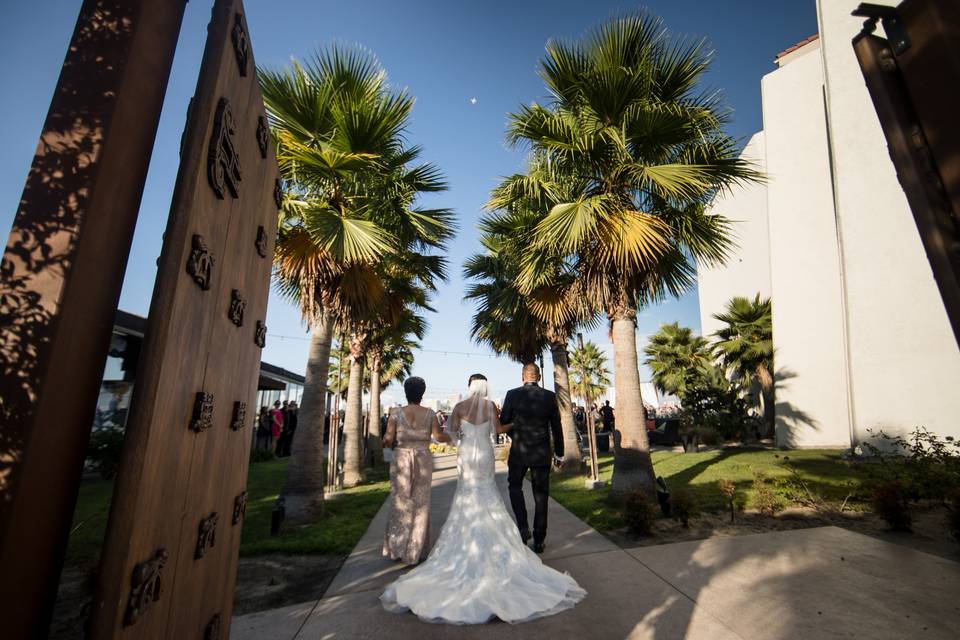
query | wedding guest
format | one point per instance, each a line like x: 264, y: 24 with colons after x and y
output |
x: 411, y: 473
x: 276, y: 423
x: 606, y: 414
x: 289, y: 428
x: 264, y: 433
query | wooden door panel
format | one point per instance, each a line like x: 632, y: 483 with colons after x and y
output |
x: 184, y: 465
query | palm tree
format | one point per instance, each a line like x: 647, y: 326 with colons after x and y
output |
x: 745, y: 348
x: 628, y: 126
x: 678, y: 359
x: 389, y: 355
x: 331, y: 118
x: 506, y: 321
x: 589, y: 376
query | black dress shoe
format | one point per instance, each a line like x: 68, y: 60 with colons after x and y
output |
x: 538, y: 547
x: 525, y: 536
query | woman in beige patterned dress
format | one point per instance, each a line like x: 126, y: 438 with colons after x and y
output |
x: 411, y: 474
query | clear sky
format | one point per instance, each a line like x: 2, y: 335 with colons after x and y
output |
x: 447, y: 53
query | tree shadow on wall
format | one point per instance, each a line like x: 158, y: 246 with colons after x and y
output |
x: 791, y: 420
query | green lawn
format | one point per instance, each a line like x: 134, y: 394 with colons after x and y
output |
x: 344, y: 521
x: 822, y: 470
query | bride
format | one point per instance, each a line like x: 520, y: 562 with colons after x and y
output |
x: 480, y: 569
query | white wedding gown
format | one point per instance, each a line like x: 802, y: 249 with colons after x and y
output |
x: 480, y: 569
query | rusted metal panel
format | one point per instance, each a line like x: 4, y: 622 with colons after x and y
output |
x: 60, y: 282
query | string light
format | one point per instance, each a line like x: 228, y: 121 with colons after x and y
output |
x: 440, y: 351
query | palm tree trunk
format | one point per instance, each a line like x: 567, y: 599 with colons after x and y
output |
x: 353, y: 424
x: 632, y: 464
x: 572, y: 458
x: 303, y: 487
x: 373, y: 438
x: 766, y: 394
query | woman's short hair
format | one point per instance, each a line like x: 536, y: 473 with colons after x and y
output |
x: 414, y: 388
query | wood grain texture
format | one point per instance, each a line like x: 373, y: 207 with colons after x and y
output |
x: 171, y: 477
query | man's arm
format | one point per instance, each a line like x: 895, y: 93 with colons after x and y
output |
x: 555, y: 428
x: 506, y: 413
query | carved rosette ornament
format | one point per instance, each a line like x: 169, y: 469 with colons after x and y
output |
x: 207, y: 534
x: 237, y: 306
x: 278, y: 193
x: 202, y: 418
x: 263, y: 136
x: 241, y: 44
x: 261, y: 242
x: 145, y: 586
x: 223, y: 161
x: 239, y: 415
x: 239, y: 508
x: 260, y: 335
x: 212, y: 630
x: 200, y: 263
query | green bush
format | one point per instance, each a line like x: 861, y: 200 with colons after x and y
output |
x: 709, y: 436
x: 684, y: 507
x: 890, y: 503
x: 927, y: 467
x: 261, y: 455
x: 953, y: 515
x: 639, y: 513
x: 103, y: 452
x: 765, y: 499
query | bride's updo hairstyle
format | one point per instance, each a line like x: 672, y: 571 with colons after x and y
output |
x: 414, y: 388
x: 477, y: 385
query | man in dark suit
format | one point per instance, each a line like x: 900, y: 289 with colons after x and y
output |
x: 533, y: 412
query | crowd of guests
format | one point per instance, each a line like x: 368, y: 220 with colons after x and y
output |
x: 276, y: 426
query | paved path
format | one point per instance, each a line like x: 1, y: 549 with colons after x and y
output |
x: 804, y: 584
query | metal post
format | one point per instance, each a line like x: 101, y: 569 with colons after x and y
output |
x: 60, y: 282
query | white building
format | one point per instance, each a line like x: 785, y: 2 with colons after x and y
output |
x: 861, y: 336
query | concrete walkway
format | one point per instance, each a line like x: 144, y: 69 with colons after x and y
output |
x: 805, y: 584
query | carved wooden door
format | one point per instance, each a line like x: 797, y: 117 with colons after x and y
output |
x: 169, y: 560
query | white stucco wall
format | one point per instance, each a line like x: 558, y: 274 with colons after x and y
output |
x: 811, y: 401
x: 747, y: 271
x: 904, y: 362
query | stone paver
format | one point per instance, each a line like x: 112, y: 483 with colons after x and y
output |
x: 805, y: 584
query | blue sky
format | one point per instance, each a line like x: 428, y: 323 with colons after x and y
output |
x: 445, y: 52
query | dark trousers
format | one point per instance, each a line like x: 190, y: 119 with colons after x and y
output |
x: 540, y: 479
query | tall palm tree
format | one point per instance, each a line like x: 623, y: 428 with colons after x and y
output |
x: 332, y: 118
x: 745, y: 348
x: 628, y: 124
x: 589, y: 376
x: 389, y: 355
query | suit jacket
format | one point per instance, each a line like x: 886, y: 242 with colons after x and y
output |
x: 534, y: 414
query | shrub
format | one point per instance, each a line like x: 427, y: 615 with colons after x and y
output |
x: 765, y: 499
x: 709, y: 436
x: 729, y: 491
x: 639, y: 512
x: 890, y: 503
x: 103, y: 452
x: 925, y: 465
x: 261, y: 455
x: 953, y: 515
x: 684, y: 507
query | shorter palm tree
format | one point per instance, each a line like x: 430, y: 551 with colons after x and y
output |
x: 678, y: 359
x: 589, y: 375
x: 745, y: 349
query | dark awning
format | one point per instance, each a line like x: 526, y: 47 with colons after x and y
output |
x: 270, y: 384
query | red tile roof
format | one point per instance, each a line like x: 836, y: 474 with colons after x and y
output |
x: 803, y: 42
